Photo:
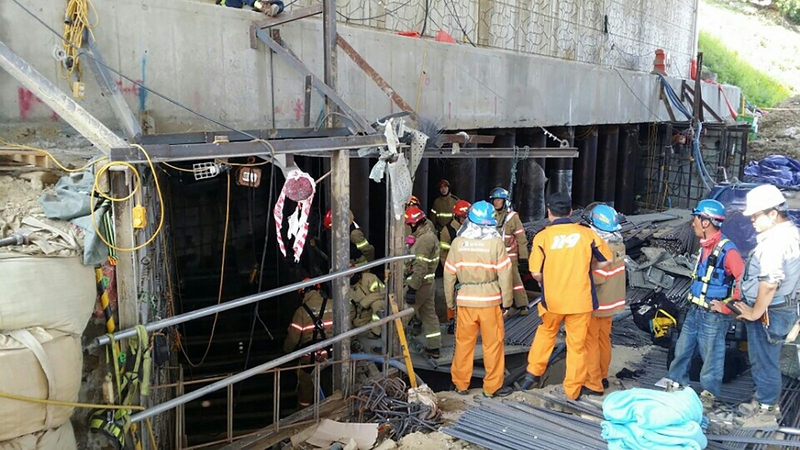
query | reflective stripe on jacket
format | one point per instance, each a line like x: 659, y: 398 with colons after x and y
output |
x: 610, y: 283
x: 446, y: 237
x: 480, y: 271
x: 442, y: 210
x: 368, y: 290
x: 301, y: 330
x: 720, y: 284
x: 426, y: 249
x: 510, y: 227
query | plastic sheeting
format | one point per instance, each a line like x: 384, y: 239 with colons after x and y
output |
x: 779, y: 170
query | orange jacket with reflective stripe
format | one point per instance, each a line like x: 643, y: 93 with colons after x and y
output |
x: 609, y: 283
x: 481, y: 269
x: 513, y: 235
x: 301, y: 330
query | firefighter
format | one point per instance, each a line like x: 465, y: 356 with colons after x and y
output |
x: 769, y: 290
x: 510, y: 227
x: 442, y: 208
x: 719, y: 267
x: 420, y: 276
x: 361, y: 251
x: 312, y: 322
x: 367, y: 295
x: 609, y: 284
x: 477, y: 273
x: 562, y: 259
x: 446, y: 236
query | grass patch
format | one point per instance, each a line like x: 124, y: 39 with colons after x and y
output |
x: 759, y: 88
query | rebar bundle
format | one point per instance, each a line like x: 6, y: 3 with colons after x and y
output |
x: 385, y: 402
x: 514, y: 425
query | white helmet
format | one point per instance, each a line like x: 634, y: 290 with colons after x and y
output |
x: 762, y: 198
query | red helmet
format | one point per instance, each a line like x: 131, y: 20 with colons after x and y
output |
x: 442, y: 183
x: 414, y: 215
x: 302, y: 291
x: 328, y: 220
x: 413, y: 201
x: 461, y: 208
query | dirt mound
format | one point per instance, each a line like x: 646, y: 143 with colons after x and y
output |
x: 778, y: 132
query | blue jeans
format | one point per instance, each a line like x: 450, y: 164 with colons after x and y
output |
x: 703, y: 331
x: 764, y: 348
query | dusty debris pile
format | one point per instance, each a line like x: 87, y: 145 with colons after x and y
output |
x: 778, y: 132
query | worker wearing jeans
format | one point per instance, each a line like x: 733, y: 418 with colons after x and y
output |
x: 719, y: 266
x: 769, y: 288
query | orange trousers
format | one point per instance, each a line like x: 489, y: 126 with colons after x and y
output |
x: 576, y: 326
x: 598, y: 352
x: 490, y: 323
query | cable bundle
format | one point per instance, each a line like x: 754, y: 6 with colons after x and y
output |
x: 76, y: 25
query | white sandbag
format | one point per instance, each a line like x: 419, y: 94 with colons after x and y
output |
x: 53, y: 293
x: 62, y: 438
x: 39, y: 364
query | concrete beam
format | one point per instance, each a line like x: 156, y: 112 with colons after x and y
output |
x: 85, y: 123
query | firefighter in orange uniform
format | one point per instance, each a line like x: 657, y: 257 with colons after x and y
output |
x: 477, y: 279
x: 562, y: 261
x: 610, y: 288
x: 312, y: 322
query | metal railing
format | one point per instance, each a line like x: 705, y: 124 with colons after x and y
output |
x: 203, y: 312
x: 241, y: 376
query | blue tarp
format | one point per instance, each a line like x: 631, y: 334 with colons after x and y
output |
x: 647, y: 419
x: 779, y: 170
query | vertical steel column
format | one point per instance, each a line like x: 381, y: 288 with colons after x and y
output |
x: 585, y: 168
x: 500, y: 168
x: 421, y: 183
x: 606, y: 177
x: 463, y: 178
x: 559, y: 170
x: 359, y: 193
x: 628, y: 156
x: 340, y: 198
x: 531, y: 179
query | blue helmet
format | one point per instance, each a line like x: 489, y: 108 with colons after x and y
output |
x: 482, y: 213
x: 710, y: 209
x: 605, y: 218
x: 498, y: 193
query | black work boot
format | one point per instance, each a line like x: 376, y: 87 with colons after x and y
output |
x: 433, y: 353
x: 587, y: 391
x: 531, y: 382
x: 605, y: 383
x: 502, y: 392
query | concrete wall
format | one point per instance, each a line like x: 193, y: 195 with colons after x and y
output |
x: 199, y: 54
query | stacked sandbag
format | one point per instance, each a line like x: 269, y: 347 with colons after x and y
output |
x: 45, y: 304
x: 62, y: 437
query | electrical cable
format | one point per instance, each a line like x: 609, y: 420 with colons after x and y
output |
x: 458, y: 21
x: 50, y: 155
x: 425, y: 19
x: 221, y: 276
x: 137, y: 83
x: 150, y: 432
x: 655, y: 116
x: 76, y: 25
x: 23, y: 398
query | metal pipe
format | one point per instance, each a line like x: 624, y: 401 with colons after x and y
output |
x: 181, y: 318
x: 626, y: 169
x: 241, y: 376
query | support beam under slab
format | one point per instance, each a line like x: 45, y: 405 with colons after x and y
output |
x: 606, y: 176
x: 80, y: 119
x: 584, y: 170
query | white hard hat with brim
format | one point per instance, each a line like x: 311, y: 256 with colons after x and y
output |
x: 762, y: 198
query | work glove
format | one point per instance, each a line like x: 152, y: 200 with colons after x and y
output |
x: 504, y: 310
x: 411, y: 296
x: 451, y: 326
x: 523, y: 266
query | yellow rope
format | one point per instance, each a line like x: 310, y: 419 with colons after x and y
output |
x: 22, y: 398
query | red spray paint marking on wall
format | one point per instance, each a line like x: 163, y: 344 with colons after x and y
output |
x: 298, y: 109
x: 27, y: 100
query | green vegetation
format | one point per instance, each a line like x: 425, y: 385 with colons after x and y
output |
x: 789, y: 8
x: 760, y: 88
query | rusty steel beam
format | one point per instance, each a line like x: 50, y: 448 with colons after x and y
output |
x: 374, y: 76
x: 473, y: 139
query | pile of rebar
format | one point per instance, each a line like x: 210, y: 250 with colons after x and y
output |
x: 521, y: 329
x: 385, y: 402
x: 513, y: 425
